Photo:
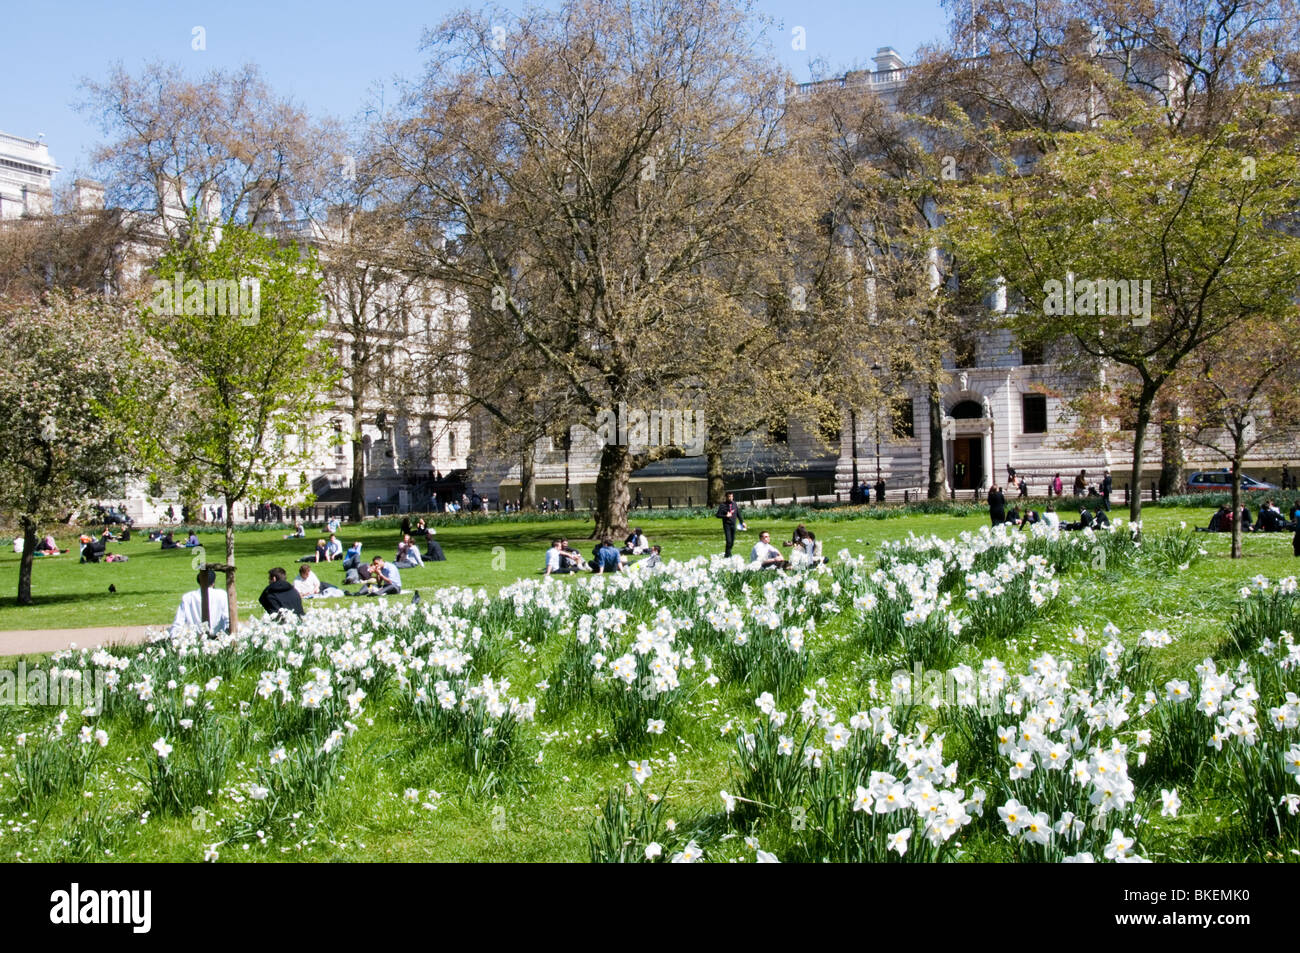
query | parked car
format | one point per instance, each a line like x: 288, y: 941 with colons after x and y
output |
x: 1217, y: 481
x: 112, y: 516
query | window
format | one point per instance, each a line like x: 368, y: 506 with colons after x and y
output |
x: 778, y: 431
x: 904, y: 419
x: 963, y: 350
x: 1035, y: 413
x: 451, y: 444
x: 1031, y: 352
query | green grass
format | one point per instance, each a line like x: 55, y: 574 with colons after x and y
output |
x: 545, y: 811
x: 490, y: 554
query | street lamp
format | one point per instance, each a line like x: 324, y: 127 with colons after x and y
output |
x: 853, y: 438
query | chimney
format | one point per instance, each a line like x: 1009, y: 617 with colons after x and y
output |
x: 209, y: 203
x: 171, y: 198
x: 37, y: 201
x: 87, y: 195
x: 888, y: 60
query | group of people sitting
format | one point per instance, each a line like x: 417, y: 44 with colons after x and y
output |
x: 167, y: 541
x: 803, y: 546
x: 606, y: 557
x: 1271, y: 520
x: 96, y: 550
x: 1049, y: 517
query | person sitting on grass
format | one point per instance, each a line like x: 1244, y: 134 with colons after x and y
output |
x: 299, y: 531
x: 190, y: 611
x: 433, y: 552
x: 571, y: 558
x: 385, y: 579
x: 1270, y: 519
x: 654, y: 560
x: 333, y: 549
x: 636, y: 543
x: 309, y: 585
x: 766, y: 556
x: 408, y: 554
x: 352, y: 558
x: 318, y: 555
x: 191, y: 541
x: 607, y: 558
x: 48, y: 547
x: 280, y: 595
x: 555, y: 560
x: 92, y: 550
x: 357, y: 574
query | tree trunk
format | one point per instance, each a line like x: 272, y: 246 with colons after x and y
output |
x: 611, y: 492
x: 25, y: 563
x: 527, y: 479
x: 717, y: 485
x: 1172, y: 459
x: 1237, y: 455
x: 357, y: 495
x: 938, y: 474
x: 1145, y: 399
x: 230, y: 561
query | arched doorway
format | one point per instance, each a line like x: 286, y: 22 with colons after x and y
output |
x: 967, y: 449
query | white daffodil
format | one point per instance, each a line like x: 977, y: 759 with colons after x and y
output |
x: 640, y: 770
x: 897, y: 841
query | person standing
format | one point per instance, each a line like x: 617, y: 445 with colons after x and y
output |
x: 730, y: 515
x: 1057, y: 485
x: 880, y: 490
x: 997, y: 505
x: 1107, y: 482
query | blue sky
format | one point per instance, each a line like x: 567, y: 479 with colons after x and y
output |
x: 330, y: 56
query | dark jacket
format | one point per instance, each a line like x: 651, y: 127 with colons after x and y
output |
x: 281, y: 595
x: 997, y: 505
x: 722, y: 512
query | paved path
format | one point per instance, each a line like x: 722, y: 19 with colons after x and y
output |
x: 33, y: 641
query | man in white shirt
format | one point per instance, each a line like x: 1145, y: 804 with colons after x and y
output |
x: 1051, y: 517
x: 765, y: 555
x: 553, y: 559
x: 190, y: 611
x: 307, y: 583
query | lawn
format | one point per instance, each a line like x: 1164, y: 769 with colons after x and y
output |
x: 582, y: 770
x: 149, y: 585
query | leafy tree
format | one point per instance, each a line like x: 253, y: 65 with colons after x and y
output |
x: 584, y: 170
x: 1241, y: 393
x: 62, y: 439
x: 1173, y: 240
x: 251, y: 389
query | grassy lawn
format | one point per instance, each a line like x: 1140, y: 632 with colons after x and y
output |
x: 149, y: 585
x: 402, y: 791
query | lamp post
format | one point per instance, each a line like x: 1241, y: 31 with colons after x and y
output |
x: 877, y: 447
x: 853, y: 438
x: 568, y: 445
